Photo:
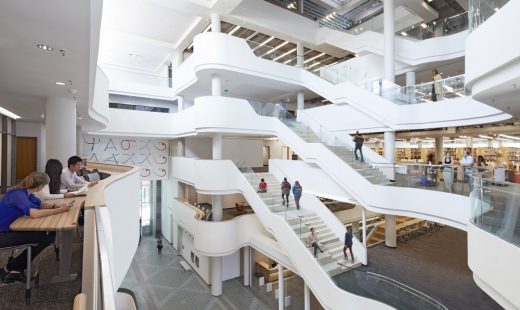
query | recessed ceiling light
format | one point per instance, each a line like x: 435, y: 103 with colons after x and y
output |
x: 496, y: 9
x: 404, y: 34
x: 8, y: 113
x: 45, y: 47
x: 60, y: 83
x: 424, y: 25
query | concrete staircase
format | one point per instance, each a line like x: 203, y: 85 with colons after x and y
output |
x: 373, y: 175
x: 331, y: 260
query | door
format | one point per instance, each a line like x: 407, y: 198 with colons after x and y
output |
x: 25, y: 156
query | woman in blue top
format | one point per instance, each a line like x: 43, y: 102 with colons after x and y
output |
x: 17, y: 202
x: 297, y: 193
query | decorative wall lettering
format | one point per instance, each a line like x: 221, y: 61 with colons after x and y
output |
x: 149, y: 154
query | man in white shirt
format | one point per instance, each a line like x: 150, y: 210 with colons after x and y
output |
x: 467, y: 163
x: 69, y: 179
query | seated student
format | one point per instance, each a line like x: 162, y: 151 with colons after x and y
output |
x: 262, y: 187
x: 17, y: 202
x: 53, y: 169
x: 69, y: 179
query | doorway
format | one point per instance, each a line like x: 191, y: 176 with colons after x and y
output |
x: 26, y: 156
x: 266, y: 155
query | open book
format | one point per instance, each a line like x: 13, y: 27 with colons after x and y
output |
x: 82, y: 191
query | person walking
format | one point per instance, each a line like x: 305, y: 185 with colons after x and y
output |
x: 297, y: 193
x: 436, y: 86
x: 358, y: 140
x: 447, y: 172
x: 159, y: 246
x: 313, y: 240
x: 348, y: 245
x: 286, y: 190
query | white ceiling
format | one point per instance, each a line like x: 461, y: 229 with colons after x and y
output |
x: 28, y: 74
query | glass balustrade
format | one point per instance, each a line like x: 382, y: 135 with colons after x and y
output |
x: 496, y: 208
x: 481, y: 10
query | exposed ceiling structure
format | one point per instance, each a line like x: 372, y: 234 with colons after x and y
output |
x: 60, y: 67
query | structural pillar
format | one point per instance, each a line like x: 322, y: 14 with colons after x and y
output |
x: 306, y: 297
x: 215, y: 23
x: 299, y: 55
x: 390, y: 231
x: 300, y: 100
x: 60, y: 127
x: 364, y: 225
x: 389, y: 141
x: 281, y: 284
x: 439, y: 149
x: 217, y: 203
x: 247, y: 266
x: 410, y: 85
x: 216, y: 85
x: 181, y: 150
x: 216, y: 276
x: 389, y: 34
x: 299, y: 4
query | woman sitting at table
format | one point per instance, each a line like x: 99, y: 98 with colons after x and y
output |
x: 53, y: 169
x: 17, y: 202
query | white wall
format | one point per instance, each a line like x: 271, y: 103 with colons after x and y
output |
x: 243, y: 150
x: 34, y: 130
x: 231, y: 266
x: 198, y: 148
x: 187, y: 248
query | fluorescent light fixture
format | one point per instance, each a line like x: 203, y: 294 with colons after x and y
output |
x: 312, y: 58
x: 423, y: 25
x: 288, y: 61
x: 404, y: 34
x: 274, y: 49
x: 313, y: 65
x: 8, y: 113
x: 485, y: 137
x: 234, y: 30
x: 60, y: 83
x: 509, y: 137
x: 189, y: 46
x: 263, y: 43
x: 496, y: 9
x: 325, y: 100
x: 463, y: 137
x: 207, y: 28
x: 285, y: 54
x: 45, y: 47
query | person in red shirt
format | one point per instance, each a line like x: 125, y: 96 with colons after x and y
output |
x: 262, y: 186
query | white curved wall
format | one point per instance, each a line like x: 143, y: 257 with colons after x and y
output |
x: 494, y: 263
x: 493, y: 51
x: 231, y: 54
x: 99, y: 108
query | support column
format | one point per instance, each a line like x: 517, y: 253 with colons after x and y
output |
x: 247, y: 266
x: 439, y: 149
x: 215, y: 23
x: 216, y: 276
x: 306, y: 297
x: 390, y: 231
x: 299, y: 4
x: 216, y: 85
x: 181, y: 149
x: 389, y: 34
x: 60, y: 127
x: 300, y: 99
x: 281, y: 284
x: 299, y: 55
x: 410, y: 85
x: 364, y: 225
x: 389, y: 140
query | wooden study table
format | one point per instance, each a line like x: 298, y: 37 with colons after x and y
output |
x: 64, y: 223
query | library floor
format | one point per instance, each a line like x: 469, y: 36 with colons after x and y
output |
x: 159, y: 282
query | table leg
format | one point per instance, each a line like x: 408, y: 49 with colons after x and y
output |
x: 65, y: 258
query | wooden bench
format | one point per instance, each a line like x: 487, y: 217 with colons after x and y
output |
x: 185, y: 265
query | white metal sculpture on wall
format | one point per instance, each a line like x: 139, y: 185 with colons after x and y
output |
x: 149, y: 154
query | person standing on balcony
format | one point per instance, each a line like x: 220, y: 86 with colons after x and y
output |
x: 297, y: 193
x: 436, y: 86
x: 447, y: 172
x: 286, y: 190
x: 358, y: 140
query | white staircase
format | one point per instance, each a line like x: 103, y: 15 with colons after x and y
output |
x: 301, y: 221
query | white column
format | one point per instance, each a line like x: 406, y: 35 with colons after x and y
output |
x: 364, y: 225
x: 247, y: 266
x: 390, y: 231
x: 217, y: 146
x: 216, y: 276
x: 410, y: 78
x: 299, y: 55
x: 439, y: 149
x: 181, y: 149
x: 389, y: 140
x: 215, y: 23
x: 281, y: 293
x: 300, y: 99
x: 306, y: 297
x: 389, y: 29
x: 299, y: 6
x: 60, y: 129
x: 216, y: 85
x: 180, y: 103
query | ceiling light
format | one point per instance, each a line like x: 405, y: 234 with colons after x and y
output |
x: 277, y: 47
x: 404, y: 34
x: 234, y: 30
x: 313, y: 65
x: 45, y: 47
x: 60, y: 83
x: 485, y: 137
x: 8, y: 113
x: 263, y: 43
x: 424, y: 25
x: 509, y: 137
x: 496, y: 9
x: 312, y: 58
x: 285, y: 54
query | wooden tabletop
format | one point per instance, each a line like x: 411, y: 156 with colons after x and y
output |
x: 61, y: 221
